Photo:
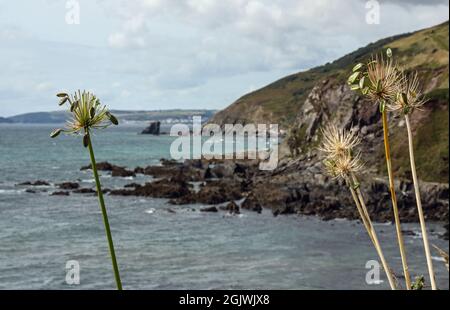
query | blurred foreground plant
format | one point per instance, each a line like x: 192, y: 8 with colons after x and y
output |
x: 341, y: 162
x: 88, y: 114
x: 408, y: 99
x: 382, y: 81
x: 379, y: 81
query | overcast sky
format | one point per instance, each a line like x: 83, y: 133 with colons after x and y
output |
x: 163, y: 54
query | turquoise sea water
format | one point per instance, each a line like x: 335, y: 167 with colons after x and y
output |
x: 157, y: 249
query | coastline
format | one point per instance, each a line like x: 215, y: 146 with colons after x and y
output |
x: 295, y: 187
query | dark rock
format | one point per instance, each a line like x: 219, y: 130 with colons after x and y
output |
x: 101, y: 166
x: 84, y: 191
x: 116, y: 171
x: 209, y: 209
x: 30, y: 191
x: 139, y: 170
x: 121, y: 172
x: 251, y: 203
x: 60, y: 193
x: 224, y: 170
x: 283, y: 210
x: 122, y: 192
x: 217, y: 192
x: 68, y: 185
x: 164, y: 188
x: 35, y: 183
x: 233, y: 208
x: 445, y: 234
x: 152, y: 129
x: 208, y: 174
x: 132, y: 185
x: 169, y: 162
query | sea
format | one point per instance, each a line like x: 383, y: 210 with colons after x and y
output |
x: 41, y: 236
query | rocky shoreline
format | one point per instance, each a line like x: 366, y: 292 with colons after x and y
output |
x: 295, y: 187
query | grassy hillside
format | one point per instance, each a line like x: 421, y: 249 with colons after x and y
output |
x: 280, y: 101
x: 323, y: 90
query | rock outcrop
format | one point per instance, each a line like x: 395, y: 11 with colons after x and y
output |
x: 152, y: 129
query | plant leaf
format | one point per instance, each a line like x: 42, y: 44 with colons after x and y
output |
x: 382, y: 106
x: 55, y: 133
x: 389, y: 53
x: 404, y: 99
x: 112, y: 118
x: 63, y: 100
x: 74, y: 106
x: 354, y: 87
x: 92, y: 112
x: 362, y: 82
x: 62, y: 95
x: 86, y: 140
x: 357, y: 67
x: 378, y: 88
x: 353, y: 77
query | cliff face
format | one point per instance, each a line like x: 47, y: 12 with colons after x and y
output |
x: 304, y: 102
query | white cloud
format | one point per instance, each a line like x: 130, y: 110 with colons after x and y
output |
x: 43, y: 86
x: 191, y: 53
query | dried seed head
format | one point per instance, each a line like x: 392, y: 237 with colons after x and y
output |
x: 337, y: 142
x: 383, y: 79
x: 348, y: 164
x: 409, y: 97
x: 338, y: 146
x: 343, y: 166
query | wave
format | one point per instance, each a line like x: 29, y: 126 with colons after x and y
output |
x: 12, y: 191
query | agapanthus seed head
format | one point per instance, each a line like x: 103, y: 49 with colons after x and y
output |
x: 343, y: 166
x: 86, y: 113
x: 409, y: 96
x: 338, y: 147
x: 383, y: 79
x: 336, y: 142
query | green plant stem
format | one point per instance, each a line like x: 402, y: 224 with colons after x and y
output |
x: 398, y: 228
x: 104, y: 213
x: 419, y: 205
x: 361, y: 206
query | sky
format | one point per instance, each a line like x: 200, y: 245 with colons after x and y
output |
x: 191, y: 54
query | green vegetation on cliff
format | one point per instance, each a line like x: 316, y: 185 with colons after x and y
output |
x: 323, y: 89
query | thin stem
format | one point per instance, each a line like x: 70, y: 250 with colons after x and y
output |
x: 360, y: 205
x: 360, y: 211
x: 104, y: 213
x: 398, y: 228
x: 419, y: 206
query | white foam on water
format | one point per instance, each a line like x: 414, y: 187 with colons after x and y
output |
x: 12, y: 191
x: 438, y: 258
x: 150, y: 211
